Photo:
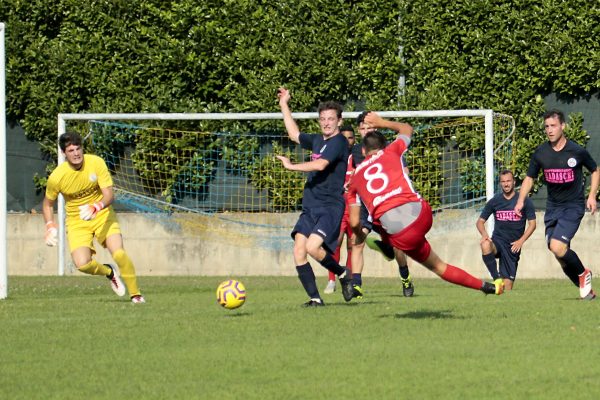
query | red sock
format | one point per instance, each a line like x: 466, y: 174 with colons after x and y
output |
x: 336, y: 257
x: 460, y: 277
x: 349, y: 259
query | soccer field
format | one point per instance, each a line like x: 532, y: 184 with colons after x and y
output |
x: 71, y: 338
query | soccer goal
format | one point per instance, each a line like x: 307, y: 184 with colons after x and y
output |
x: 216, y: 175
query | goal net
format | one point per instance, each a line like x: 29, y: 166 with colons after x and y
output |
x: 216, y: 176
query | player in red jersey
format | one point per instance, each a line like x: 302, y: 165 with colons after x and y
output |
x: 381, y: 183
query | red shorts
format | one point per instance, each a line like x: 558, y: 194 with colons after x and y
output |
x: 411, y: 239
x: 345, y: 226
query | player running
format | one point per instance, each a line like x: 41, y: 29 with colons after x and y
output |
x: 383, y: 186
x: 561, y: 161
x: 86, y: 184
x: 509, y: 231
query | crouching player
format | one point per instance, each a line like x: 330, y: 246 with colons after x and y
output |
x: 86, y: 184
x: 382, y: 185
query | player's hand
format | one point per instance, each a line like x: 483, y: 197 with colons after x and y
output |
x: 51, y: 237
x: 285, y: 161
x: 515, y: 246
x: 88, y: 212
x: 591, y: 204
x: 358, y: 239
x: 373, y: 120
x: 519, y: 207
x: 284, y: 95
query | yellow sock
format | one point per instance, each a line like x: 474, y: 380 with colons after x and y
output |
x: 127, y: 271
x: 95, y: 268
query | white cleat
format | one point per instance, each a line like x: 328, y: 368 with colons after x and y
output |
x: 138, y: 299
x: 115, y: 282
x: 330, y: 288
x: 585, y: 283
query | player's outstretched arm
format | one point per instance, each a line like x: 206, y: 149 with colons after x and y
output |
x: 290, y: 125
x: 518, y: 244
x: 373, y: 119
x: 526, y: 187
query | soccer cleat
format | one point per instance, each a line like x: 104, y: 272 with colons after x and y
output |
x: 346, y: 283
x: 590, y: 296
x: 357, y: 292
x: 330, y: 288
x: 115, y: 281
x: 138, y: 299
x: 380, y: 247
x: 408, y: 289
x: 489, y: 288
x: 585, y: 283
x: 499, y: 285
x: 314, y: 303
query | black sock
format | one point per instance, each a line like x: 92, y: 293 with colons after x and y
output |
x: 329, y: 262
x: 573, y: 266
x: 490, y: 262
x: 357, y: 279
x: 307, y: 278
x: 404, y: 272
x: 387, y: 249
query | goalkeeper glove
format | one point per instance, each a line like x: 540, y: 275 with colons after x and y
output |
x: 51, y: 237
x: 88, y: 211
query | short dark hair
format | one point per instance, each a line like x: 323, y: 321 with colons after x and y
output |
x: 345, y: 128
x: 68, y: 139
x: 331, y: 105
x: 374, y: 141
x: 506, y: 172
x: 361, y: 117
x: 554, y: 113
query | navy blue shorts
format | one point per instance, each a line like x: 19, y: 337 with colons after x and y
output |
x: 322, y: 221
x: 563, y: 222
x: 508, y: 261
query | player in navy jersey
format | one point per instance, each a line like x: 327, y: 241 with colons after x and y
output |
x: 509, y: 232
x: 358, y: 263
x: 386, y: 190
x: 561, y: 162
x: 317, y: 230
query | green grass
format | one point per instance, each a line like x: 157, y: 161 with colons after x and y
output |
x: 71, y: 338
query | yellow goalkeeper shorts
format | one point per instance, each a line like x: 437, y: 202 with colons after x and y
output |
x: 81, y: 233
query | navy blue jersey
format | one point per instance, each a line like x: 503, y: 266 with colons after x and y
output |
x: 324, y: 188
x: 563, y: 172
x: 357, y: 154
x: 507, y: 225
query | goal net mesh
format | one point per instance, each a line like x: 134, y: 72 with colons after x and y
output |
x: 221, y: 180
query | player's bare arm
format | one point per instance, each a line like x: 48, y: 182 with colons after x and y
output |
x: 373, y: 120
x: 51, y: 235
x: 310, y: 166
x: 359, y: 235
x: 523, y: 193
x: 518, y: 244
x: 480, y: 224
x: 290, y: 125
x: 594, y: 182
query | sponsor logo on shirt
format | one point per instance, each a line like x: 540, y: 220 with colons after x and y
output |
x: 559, y: 175
x: 380, y: 199
x: 571, y: 162
x: 93, y: 177
x: 507, y: 215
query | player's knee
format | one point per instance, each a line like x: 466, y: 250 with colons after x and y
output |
x: 557, y: 248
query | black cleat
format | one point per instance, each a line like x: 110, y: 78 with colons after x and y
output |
x: 357, y: 292
x: 314, y: 303
x: 488, y: 288
x: 346, y: 284
x: 408, y: 289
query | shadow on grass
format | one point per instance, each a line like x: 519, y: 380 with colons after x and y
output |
x: 238, y: 314
x: 427, y: 314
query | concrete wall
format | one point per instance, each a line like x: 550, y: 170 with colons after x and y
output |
x: 216, y: 250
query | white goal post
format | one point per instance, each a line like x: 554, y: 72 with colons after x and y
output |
x: 3, y: 174
x: 487, y: 115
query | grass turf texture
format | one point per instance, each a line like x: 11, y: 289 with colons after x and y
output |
x: 72, y: 338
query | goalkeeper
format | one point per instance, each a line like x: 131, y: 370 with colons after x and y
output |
x: 86, y: 184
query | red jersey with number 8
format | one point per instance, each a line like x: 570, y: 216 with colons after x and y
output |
x: 380, y: 181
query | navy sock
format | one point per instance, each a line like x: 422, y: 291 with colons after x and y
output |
x: 357, y: 279
x: 404, y: 272
x: 490, y: 262
x: 307, y: 278
x: 329, y: 262
x: 573, y: 266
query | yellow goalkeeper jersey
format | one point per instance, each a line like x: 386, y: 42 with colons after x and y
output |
x: 81, y: 186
